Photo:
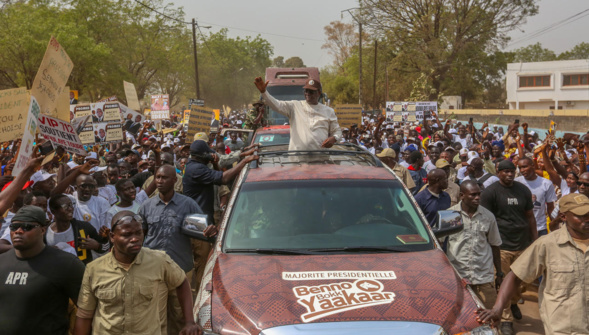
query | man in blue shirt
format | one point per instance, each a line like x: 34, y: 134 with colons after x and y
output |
x: 433, y: 198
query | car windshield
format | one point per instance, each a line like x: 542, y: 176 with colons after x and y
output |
x: 273, y: 139
x: 325, y: 215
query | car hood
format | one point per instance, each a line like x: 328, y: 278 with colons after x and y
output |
x: 255, y: 292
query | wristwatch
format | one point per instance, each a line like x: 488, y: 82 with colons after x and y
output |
x: 500, y: 274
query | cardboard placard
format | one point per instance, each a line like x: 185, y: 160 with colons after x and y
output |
x: 61, y: 133
x: 28, y: 138
x: 14, y: 104
x: 133, y: 121
x: 347, y: 115
x: 109, y: 99
x: 131, y: 95
x: 159, y: 115
x: 199, y: 121
x: 51, y: 77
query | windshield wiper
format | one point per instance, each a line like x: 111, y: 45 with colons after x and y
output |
x: 272, y: 251
x: 361, y: 248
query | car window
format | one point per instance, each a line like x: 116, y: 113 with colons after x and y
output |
x: 273, y: 139
x: 325, y: 214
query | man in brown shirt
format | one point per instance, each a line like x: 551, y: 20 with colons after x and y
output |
x: 389, y: 157
x: 561, y: 258
x: 122, y: 291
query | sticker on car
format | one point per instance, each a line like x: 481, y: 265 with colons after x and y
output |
x: 327, y: 299
x: 267, y: 138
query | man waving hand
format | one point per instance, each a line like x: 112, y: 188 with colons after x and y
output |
x: 312, y: 124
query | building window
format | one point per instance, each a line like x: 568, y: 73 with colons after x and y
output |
x: 575, y: 79
x: 534, y: 81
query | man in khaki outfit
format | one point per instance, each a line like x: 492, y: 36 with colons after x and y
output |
x: 562, y: 260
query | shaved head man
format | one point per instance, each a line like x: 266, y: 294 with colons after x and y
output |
x: 433, y: 198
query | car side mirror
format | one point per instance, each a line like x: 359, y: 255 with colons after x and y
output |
x: 194, y: 226
x: 449, y: 222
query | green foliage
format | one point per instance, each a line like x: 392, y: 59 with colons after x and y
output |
x: 533, y: 53
x: 294, y: 62
x: 580, y: 51
x: 111, y: 41
x: 278, y: 62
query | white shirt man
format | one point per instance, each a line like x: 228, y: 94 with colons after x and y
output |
x: 311, y: 125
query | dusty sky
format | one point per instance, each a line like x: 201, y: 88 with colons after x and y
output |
x: 295, y: 28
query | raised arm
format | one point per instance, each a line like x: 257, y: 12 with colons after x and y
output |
x: 282, y: 107
x: 9, y: 195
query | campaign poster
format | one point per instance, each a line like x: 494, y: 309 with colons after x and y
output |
x: 410, y: 111
x: 132, y: 120
x: 160, y: 107
x: 61, y: 133
x: 347, y: 115
x: 83, y: 127
x: 74, y: 97
x: 103, y: 124
x: 107, y: 132
x: 28, y: 138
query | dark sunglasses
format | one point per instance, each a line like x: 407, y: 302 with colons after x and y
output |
x: 23, y: 226
x: 579, y: 183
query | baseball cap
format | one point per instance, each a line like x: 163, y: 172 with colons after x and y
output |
x: 452, y: 131
x: 450, y: 148
x: 201, y: 136
x: 388, y: 152
x: 411, y: 139
x: 575, y: 203
x: 313, y: 84
x: 31, y: 214
x: 463, y: 152
x: 506, y: 165
x: 27, y: 184
x: 469, y: 161
x: 142, y: 163
x: 97, y: 169
x: 176, y: 140
x: 411, y: 148
x: 472, y: 154
x: 442, y: 163
x: 40, y: 176
x: 199, y: 147
x: 129, y: 152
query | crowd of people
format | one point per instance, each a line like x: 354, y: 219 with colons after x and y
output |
x: 93, y: 243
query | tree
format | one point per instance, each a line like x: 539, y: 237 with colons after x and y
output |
x: 580, y: 51
x: 294, y: 62
x: 434, y: 36
x: 341, y: 39
x: 533, y: 53
x: 278, y: 62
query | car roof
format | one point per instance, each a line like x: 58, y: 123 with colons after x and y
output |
x: 273, y: 129
x: 317, y: 172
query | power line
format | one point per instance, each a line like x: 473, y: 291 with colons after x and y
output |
x: 551, y: 27
x: 162, y: 14
x: 264, y: 33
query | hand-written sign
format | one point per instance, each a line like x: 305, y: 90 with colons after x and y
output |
x: 347, y: 115
x: 28, y: 138
x: 62, y: 134
x: 14, y: 104
x: 199, y: 121
x: 51, y: 77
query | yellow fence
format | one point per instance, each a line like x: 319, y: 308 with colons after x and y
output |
x: 517, y: 112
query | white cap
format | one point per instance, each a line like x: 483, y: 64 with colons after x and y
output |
x: 463, y: 152
x: 472, y: 154
x: 166, y: 145
x: 470, y: 160
x: 452, y: 131
x: 41, y: 176
x: 532, y: 132
x: 176, y: 140
x: 91, y: 155
x: 136, y: 146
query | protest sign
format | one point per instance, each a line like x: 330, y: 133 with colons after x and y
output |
x: 61, y: 110
x: 107, y: 132
x: 28, y: 138
x: 132, y: 119
x: 186, y: 116
x: 14, y: 104
x: 160, y: 107
x: 61, y: 133
x: 199, y: 121
x: 51, y: 77
x: 131, y: 94
x: 83, y: 127
x: 347, y: 115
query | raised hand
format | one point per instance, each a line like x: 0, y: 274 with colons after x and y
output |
x: 259, y: 82
x: 525, y: 126
x: 560, y: 144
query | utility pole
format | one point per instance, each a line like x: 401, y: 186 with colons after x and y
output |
x: 374, y: 106
x: 359, y: 21
x: 195, y: 59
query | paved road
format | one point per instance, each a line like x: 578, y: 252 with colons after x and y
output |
x: 530, y: 324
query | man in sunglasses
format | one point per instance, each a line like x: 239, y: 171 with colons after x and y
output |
x: 312, y: 125
x: 123, y: 290
x: 36, y: 281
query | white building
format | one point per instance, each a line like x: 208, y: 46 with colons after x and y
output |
x: 548, y: 85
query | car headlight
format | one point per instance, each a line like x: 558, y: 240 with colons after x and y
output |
x: 482, y: 330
